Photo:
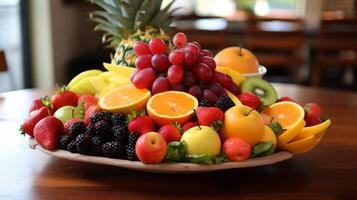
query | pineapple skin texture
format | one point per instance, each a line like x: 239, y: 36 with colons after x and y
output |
x: 124, y: 53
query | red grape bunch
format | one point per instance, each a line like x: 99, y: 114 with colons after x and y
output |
x: 187, y: 68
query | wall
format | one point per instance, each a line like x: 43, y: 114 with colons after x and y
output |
x: 73, y: 34
x: 59, y: 32
x: 41, y: 48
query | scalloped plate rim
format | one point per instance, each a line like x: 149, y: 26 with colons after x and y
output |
x: 172, y: 168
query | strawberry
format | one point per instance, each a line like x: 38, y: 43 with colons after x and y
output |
x: 47, y: 131
x: 69, y: 124
x: 188, y: 125
x: 249, y: 99
x: 88, y: 100
x: 63, y: 97
x: 210, y: 116
x: 313, y: 108
x: 140, y: 123
x: 35, y: 116
x: 288, y: 99
x: 39, y: 103
x: 311, y: 119
x: 171, y: 132
x: 91, y: 111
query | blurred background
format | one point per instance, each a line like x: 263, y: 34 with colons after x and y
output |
x: 45, y: 42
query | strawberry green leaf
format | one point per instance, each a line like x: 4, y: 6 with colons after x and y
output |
x: 175, y: 152
x: 201, y: 158
x: 134, y: 114
x: 262, y: 149
x: 324, y: 118
x: 221, y: 158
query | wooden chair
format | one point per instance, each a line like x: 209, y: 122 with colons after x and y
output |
x: 3, y: 65
x: 210, y: 32
x: 277, y: 43
x: 4, y: 68
x: 336, y: 46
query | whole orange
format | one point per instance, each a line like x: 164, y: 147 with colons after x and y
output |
x: 237, y: 58
x: 243, y: 122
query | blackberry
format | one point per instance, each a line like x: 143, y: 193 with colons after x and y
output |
x: 96, y: 145
x: 204, y: 103
x: 71, y: 147
x: 90, y: 130
x: 224, y: 103
x: 112, y: 149
x: 82, y: 143
x: 120, y: 133
x: 103, y: 130
x: 63, y: 141
x: 77, y: 128
x: 119, y: 119
x: 101, y: 116
x: 130, y: 146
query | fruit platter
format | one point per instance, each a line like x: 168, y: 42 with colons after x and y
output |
x: 179, y: 110
x: 165, y: 104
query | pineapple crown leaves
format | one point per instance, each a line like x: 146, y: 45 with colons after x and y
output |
x: 121, y: 18
x: 134, y: 114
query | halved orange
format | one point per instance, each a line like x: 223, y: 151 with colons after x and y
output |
x: 291, y: 117
x: 171, y: 106
x: 124, y: 98
x: 287, y: 113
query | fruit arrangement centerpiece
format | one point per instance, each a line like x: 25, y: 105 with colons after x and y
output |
x: 176, y: 106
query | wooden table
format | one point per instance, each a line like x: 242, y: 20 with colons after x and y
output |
x: 327, y: 172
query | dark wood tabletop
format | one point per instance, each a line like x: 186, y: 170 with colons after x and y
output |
x: 327, y: 172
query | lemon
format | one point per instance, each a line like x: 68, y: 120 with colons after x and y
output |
x: 83, y: 75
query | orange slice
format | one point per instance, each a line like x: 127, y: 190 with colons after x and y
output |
x: 317, y: 130
x: 302, y: 145
x: 124, y: 98
x: 171, y: 106
x: 291, y: 117
x: 286, y: 113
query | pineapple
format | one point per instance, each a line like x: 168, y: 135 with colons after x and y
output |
x: 127, y: 21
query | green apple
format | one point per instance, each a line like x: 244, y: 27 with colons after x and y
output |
x: 66, y: 113
x: 202, y: 140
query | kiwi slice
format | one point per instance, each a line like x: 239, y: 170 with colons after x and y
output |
x: 262, y: 88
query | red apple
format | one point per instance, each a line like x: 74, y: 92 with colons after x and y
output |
x: 236, y: 149
x: 151, y: 148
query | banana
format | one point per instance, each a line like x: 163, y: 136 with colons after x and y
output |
x: 120, y: 70
x: 119, y: 80
x: 98, y: 84
x: 84, y: 86
x: 237, y: 77
x: 83, y: 75
x: 106, y: 75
